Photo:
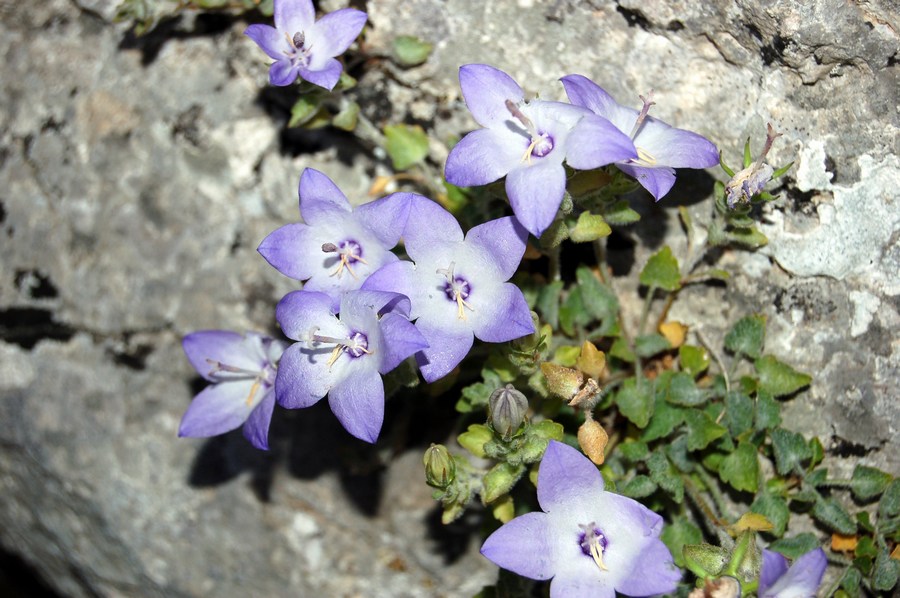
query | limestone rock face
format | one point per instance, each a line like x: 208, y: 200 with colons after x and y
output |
x: 137, y: 177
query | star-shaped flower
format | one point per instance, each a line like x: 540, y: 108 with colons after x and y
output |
x: 527, y: 142
x: 457, y: 286
x: 660, y: 147
x: 303, y: 47
x: 591, y: 543
x: 801, y: 580
x: 242, y: 371
x: 337, y: 247
x: 344, y: 357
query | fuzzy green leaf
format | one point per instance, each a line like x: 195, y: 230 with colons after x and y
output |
x: 740, y: 469
x: 620, y: 213
x: 682, y: 390
x: 886, y: 572
x: 409, y: 50
x: 677, y: 534
x: 791, y: 450
x: 747, y: 336
x: 738, y: 413
x: 748, y: 237
x: 662, y: 271
x: 406, y: 145
x: 768, y: 412
x: 640, y: 486
x: 634, y: 451
x: 649, y: 345
x: 796, y: 546
x: 548, y: 303
x: 868, y: 482
x: 599, y: 300
x: 665, y: 476
x: 832, y: 515
x: 635, y: 402
x: 775, y: 509
x: 694, y: 360
x: 665, y: 419
x: 889, y: 505
x: 778, y: 378
x: 589, y: 227
x: 304, y: 109
x: 702, y: 430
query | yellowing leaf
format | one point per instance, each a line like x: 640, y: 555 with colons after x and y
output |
x: 591, y: 361
x: 842, y: 543
x: 753, y: 522
x: 675, y: 333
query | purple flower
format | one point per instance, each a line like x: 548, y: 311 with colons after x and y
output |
x: 338, y: 247
x: 304, y: 47
x: 590, y: 542
x: 457, y: 285
x: 802, y: 580
x: 660, y: 147
x: 242, y: 371
x: 751, y: 180
x: 527, y: 142
x: 344, y: 357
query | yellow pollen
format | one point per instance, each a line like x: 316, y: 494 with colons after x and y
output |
x: 645, y: 157
x: 526, y: 157
x: 460, y: 303
x: 597, y: 553
x: 253, y: 390
x: 345, y: 263
x: 334, y: 355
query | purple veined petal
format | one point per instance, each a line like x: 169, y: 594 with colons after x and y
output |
x: 292, y: 250
x: 223, y: 346
x: 299, y: 312
x: 535, y: 193
x: 503, y: 240
x: 773, y: 567
x: 802, y: 579
x: 428, y: 226
x: 218, y: 408
x: 293, y: 16
x: 400, y: 339
x: 358, y: 402
x: 269, y: 39
x: 674, y: 147
x: 256, y: 428
x: 486, y: 90
x: 658, y: 180
x: 501, y: 317
x: 334, y: 32
x: 524, y: 545
x: 564, y: 476
x: 303, y: 376
x: 386, y: 218
x: 325, y: 74
x: 446, y: 348
x: 596, y: 142
x: 581, y: 91
x: 650, y: 581
x: 320, y: 198
x: 483, y: 156
x: 282, y: 73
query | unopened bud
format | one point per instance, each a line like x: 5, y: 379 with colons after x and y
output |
x: 592, y: 439
x: 508, y: 408
x: 440, y: 469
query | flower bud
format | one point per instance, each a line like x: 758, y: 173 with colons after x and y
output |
x: 508, y: 408
x: 592, y: 439
x: 440, y: 469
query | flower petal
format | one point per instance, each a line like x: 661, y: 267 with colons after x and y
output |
x: 292, y: 250
x: 596, y: 142
x: 502, y: 242
x: 298, y: 312
x: 282, y: 73
x: 801, y: 580
x: 398, y: 277
x: 359, y: 308
x: 293, y: 16
x: 225, y: 347
x: 580, y: 585
x: 657, y: 180
x: 256, y: 428
x: 326, y: 74
x: 501, y: 317
x: 676, y: 147
x: 565, y: 475
x: 581, y: 91
x: 386, y: 218
x: 482, y: 157
x: 773, y: 567
x: 358, y: 403
x: 303, y: 376
x: 269, y: 39
x: 653, y: 572
x: 524, y: 545
x: 218, y: 408
x: 486, y: 90
x: 320, y: 198
x: 446, y: 348
x: 428, y: 225
x: 334, y: 32
x: 400, y: 340
x: 535, y: 193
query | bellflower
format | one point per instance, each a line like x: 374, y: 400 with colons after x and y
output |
x: 303, y: 47
x: 457, y: 286
x: 660, y: 147
x: 242, y: 371
x: 801, y: 580
x: 751, y: 180
x: 337, y: 247
x: 527, y: 142
x: 344, y: 357
x: 591, y: 543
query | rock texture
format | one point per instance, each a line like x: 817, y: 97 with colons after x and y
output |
x: 137, y: 177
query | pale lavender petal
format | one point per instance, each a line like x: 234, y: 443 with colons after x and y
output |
x: 222, y: 346
x: 303, y: 376
x: 293, y: 250
x: 386, y: 217
x: 428, y: 226
x: 269, y: 39
x: 334, y: 32
x: 324, y: 75
x: 486, y: 90
x: 580, y: 586
x: 446, y: 348
x: 581, y: 91
x: 401, y: 339
x: 298, y: 312
x: 565, y: 475
x: 524, y: 545
x: 398, y: 277
x: 773, y: 567
x: 320, y: 198
x: 482, y: 157
x: 535, y: 193
x: 502, y: 241
x: 370, y: 303
x: 501, y: 317
x: 283, y: 73
x: 335, y: 286
x: 801, y: 580
x: 643, y: 580
x: 217, y: 409
x: 596, y: 142
x: 358, y: 403
x: 676, y: 147
x: 256, y: 429
x: 658, y: 180
x: 293, y: 16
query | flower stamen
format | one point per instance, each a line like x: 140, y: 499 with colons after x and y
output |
x: 593, y: 543
x: 355, y: 345
x: 457, y: 289
x: 645, y: 109
x: 350, y: 252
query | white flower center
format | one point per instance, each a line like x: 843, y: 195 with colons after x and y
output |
x: 349, y: 252
x: 457, y: 288
x: 355, y: 345
x: 593, y: 543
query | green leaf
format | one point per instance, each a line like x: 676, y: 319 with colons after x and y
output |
x: 832, y: 515
x: 850, y: 582
x: 778, y: 378
x: 589, y: 227
x: 768, y: 412
x: 347, y: 117
x: 740, y: 469
x: 746, y: 337
x: 781, y: 171
x: 665, y: 419
x: 405, y: 144
x: 738, y: 413
x: 304, y: 109
x: 648, y: 345
x: 886, y: 572
x: 682, y: 390
x: 889, y: 506
x: 635, y: 402
x: 749, y: 237
x: 666, y: 477
x: 548, y: 303
x: 868, y: 482
x: 791, y: 450
x: 599, y: 300
x: 694, y: 360
x: 866, y: 547
x: 640, y: 486
x: 634, y: 451
x: 816, y: 450
x: 620, y: 213
x: 409, y: 50
x: 702, y: 430
x: 795, y: 547
x: 572, y: 314
x: 728, y: 170
x: 775, y: 509
x: 662, y: 271
x: 748, y: 158
x: 620, y: 350
x: 677, y: 534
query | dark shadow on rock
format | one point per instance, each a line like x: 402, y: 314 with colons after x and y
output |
x: 151, y: 43
x: 452, y: 541
x: 223, y: 458
x: 19, y: 579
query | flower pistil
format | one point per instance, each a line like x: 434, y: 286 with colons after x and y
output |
x: 355, y: 345
x: 457, y: 289
x: 349, y: 251
x: 540, y: 144
x: 593, y: 543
